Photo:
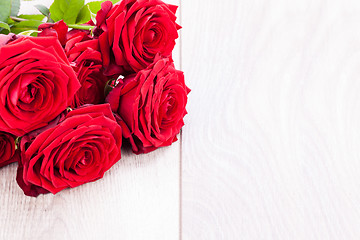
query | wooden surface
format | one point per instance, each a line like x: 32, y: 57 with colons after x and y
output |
x: 270, y: 149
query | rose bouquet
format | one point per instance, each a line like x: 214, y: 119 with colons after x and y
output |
x: 78, y: 81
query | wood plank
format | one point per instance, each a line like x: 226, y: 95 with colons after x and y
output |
x: 271, y: 142
x: 137, y: 199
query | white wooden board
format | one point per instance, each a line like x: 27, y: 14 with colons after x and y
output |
x: 271, y: 149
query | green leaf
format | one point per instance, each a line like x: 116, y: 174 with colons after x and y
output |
x: 15, y: 6
x: 8, y: 8
x: 5, y: 26
x: 83, y: 16
x: 28, y: 23
x: 88, y: 11
x: 66, y: 9
x: 29, y: 33
x: 44, y: 10
x: 92, y: 16
x: 38, y: 17
x: 19, y: 30
x: 19, y: 27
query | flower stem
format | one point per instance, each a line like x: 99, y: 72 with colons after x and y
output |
x: 75, y: 26
x: 84, y: 27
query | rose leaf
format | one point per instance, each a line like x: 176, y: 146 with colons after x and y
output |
x: 38, y: 17
x: 87, y: 11
x: 19, y: 27
x: 66, y: 9
x: 4, y: 26
x: 8, y: 8
x: 29, y: 33
x: 44, y: 10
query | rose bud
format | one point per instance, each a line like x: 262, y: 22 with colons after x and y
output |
x: 37, y: 83
x: 151, y: 106
x: 8, y: 153
x: 85, y: 143
x: 132, y: 32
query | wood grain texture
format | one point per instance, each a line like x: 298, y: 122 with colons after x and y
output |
x: 137, y: 199
x: 271, y: 143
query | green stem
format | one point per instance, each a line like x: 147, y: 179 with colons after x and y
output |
x: 84, y: 27
x: 75, y: 26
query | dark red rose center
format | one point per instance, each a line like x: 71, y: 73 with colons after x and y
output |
x: 153, y: 37
x: 28, y: 94
x: 85, y: 159
x: 149, y: 36
x: 170, y: 107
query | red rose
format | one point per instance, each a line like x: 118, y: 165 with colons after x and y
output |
x: 83, y: 53
x: 79, y: 149
x: 132, y: 32
x: 58, y: 29
x: 88, y: 68
x: 74, y: 42
x: 5, y: 39
x: 151, y: 106
x: 37, y: 83
x: 77, y: 41
x: 7, y: 149
x: 86, y: 59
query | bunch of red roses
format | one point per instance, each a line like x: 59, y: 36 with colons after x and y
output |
x: 69, y: 99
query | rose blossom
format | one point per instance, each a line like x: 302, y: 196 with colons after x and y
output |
x: 58, y: 29
x: 83, y: 145
x: 84, y: 54
x: 151, y: 106
x: 7, y: 149
x: 132, y: 32
x: 86, y: 59
x: 88, y: 68
x: 37, y: 83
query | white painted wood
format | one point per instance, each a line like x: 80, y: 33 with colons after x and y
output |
x: 271, y: 142
x: 137, y: 199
